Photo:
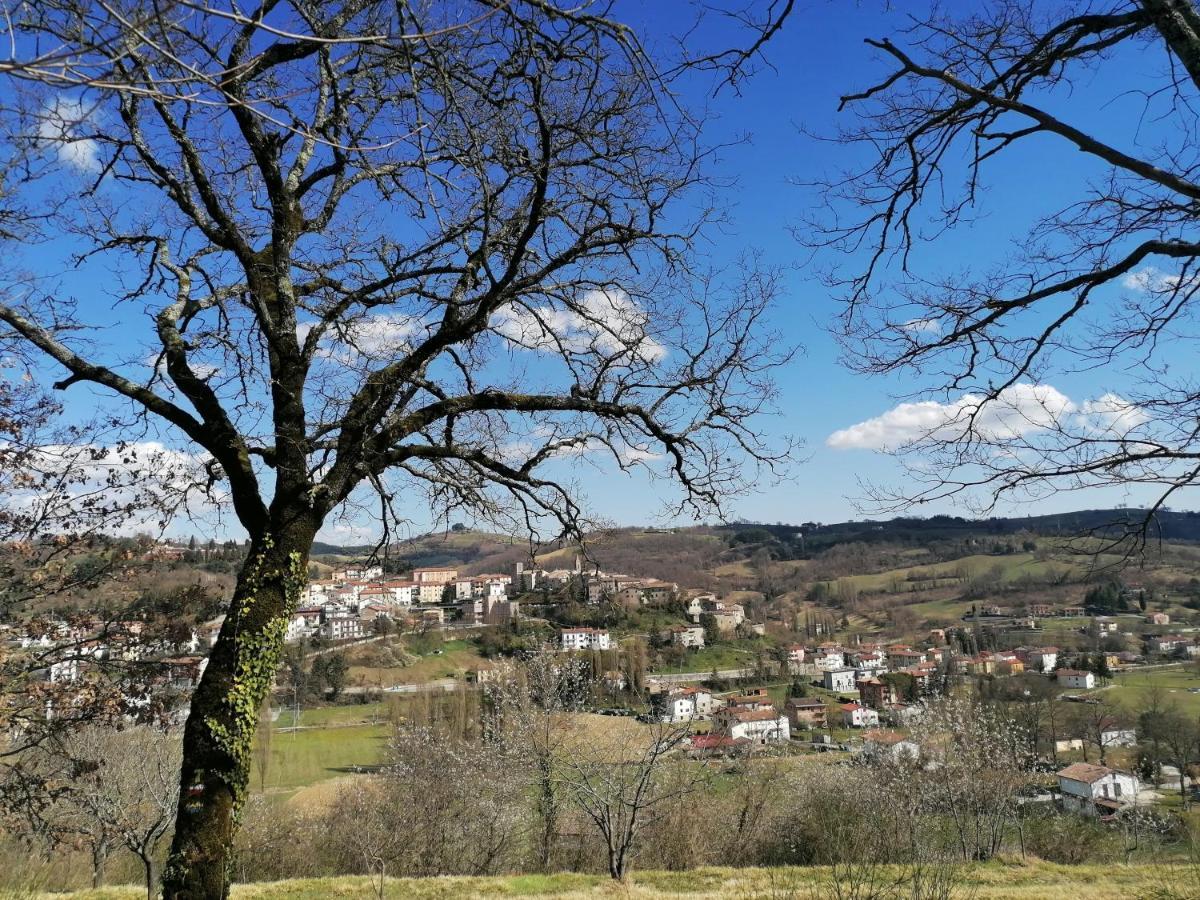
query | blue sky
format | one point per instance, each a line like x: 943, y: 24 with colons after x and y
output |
x: 818, y: 57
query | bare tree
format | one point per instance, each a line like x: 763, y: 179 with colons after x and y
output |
x: 122, y: 786
x: 623, y: 785
x: 424, y: 267
x: 1104, y: 284
x: 528, y: 704
x: 973, y: 761
x: 1176, y: 736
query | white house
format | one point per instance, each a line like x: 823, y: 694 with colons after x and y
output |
x: 677, y: 706
x: 342, y: 628
x: 1042, y: 659
x: 297, y: 628
x: 1096, y: 790
x: 827, y: 660
x: 403, y: 593
x: 868, y: 661
x: 795, y: 654
x: 682, y: 704
x: 688, y: 635
x: 1076, y: 678
x: 760, y: 725
x: 839, y: 680
x: 1118, y: 737
x: 585, y: 639
x: 855, y: 715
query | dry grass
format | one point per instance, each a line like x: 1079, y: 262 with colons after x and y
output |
x: 994, y: 881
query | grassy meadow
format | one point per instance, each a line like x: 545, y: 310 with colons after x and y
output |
x: 991, y: 881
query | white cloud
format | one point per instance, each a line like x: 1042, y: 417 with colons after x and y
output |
x: 374, y: 337
x: 1111, y: 414
x: 607, y: 322
x: 1017, y: 411
x: 922, y: 326
x: 62, y: 125
x: 1150, y: 280
x: 126, y: 488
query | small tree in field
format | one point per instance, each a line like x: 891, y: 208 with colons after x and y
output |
x: 123, y: 783
x: 623, y: 784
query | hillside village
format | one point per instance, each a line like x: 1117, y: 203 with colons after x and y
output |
x: 670, y: 655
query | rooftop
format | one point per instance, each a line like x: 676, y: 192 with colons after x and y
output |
x: 1085, y: 772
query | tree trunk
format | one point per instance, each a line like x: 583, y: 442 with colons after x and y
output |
x: 151, y: 876
x: 219, y: 734
x: 99, y: 862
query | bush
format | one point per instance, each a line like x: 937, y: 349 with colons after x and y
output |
x: 1064, y: 838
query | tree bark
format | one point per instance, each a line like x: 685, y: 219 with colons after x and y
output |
x: 219, y: 734
x: 99, y: 862
x: 151, y: 876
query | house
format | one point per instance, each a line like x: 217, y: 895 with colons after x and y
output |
x: 298, y: 627
x: 762, y: 726
x: 431, y: 591
x: 1009, y: 664
x: 674, y: 706
x: 1076, y: 678
x: 795, y: 657
x: 687, y: 636
x: 343, y: 628
x: 901, y: 657
x: 983, y: 664
x: 855, y: 715
x: 877, y: 694
x: 714, y: 744
x: 1118, y: 737
x: 683, y: 704
x: 805, y: 712
x: 1105, y: 625
x: 881, y: 745
x: 404, y: 593
x: 1096, y: 790
x: 1158, y: 618
x: 829, y: 658
x: 440, y: 575
x: 1174, y: 644
x: 584, y: 639
x: 758, y: 698
x: 427, y: 615
x: 1069, y: 612
x: 1041, y: 659
x: 1041, y: 610
x: 867, y: 660
x: 839, y: 680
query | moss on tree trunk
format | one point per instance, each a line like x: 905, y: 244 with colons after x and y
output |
x: 219, y: 734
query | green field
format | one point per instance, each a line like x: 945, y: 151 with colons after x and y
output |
x: 718, y: 656
x: 305, y: 756
x: 1132, y: 689
x: 331, y: 741
x: 991, y: 881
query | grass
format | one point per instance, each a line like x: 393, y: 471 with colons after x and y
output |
x: 304, y: 757
x: 991, y: 881
x: 323, y: 716
x: 717, y: 656
x: 1132, y: 689
x: 456, y: 658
